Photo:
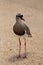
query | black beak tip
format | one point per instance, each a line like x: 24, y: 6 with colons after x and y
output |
x: 23, y: 19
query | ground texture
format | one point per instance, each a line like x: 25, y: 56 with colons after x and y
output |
x: 33, y: 14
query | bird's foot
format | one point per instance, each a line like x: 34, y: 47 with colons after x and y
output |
x: 18, y: 56
x: 24, y: 57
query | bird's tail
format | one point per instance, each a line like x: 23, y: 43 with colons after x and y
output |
x: 29, y: 34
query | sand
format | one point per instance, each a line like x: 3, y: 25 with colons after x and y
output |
x: 33, y: 14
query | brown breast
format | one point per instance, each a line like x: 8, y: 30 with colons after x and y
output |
x: 18, y: 29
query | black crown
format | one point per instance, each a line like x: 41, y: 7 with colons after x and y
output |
x: 19, y: 15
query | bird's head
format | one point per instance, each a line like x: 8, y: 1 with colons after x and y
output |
x: 19, y: 17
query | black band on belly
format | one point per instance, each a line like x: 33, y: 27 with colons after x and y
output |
x: 19, y: 33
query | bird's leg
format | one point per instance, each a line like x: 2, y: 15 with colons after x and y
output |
x: 19, y: 48
x: 25, y: 48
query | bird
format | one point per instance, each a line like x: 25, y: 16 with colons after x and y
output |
x: 20, y: 29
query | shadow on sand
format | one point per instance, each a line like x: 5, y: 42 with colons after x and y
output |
x: 14, y: 58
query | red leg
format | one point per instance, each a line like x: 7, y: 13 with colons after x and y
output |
x: 25, y: 49
x: 19, y: 48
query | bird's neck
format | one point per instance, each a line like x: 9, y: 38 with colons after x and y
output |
x: 18, y: 20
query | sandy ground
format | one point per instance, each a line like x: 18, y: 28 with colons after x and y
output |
x: 33, y: 14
